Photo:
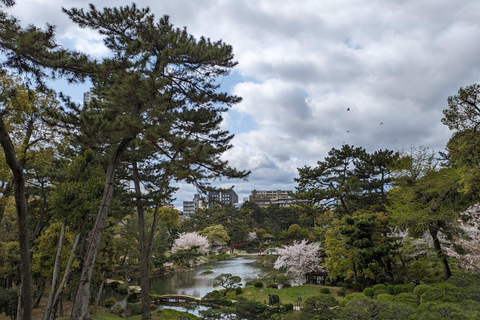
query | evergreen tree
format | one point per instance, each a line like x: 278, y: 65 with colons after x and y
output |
x: 159, y: 88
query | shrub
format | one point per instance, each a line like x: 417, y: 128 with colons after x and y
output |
x: 390, y: 289
x: 427, y: 280
x: 288, y: 307
x: 250, y: 307
x: 327, y: 283
x: 379, y: 287
x: 118, y: 310
x: 408, y: 298
x: 357, y: 287
x: 380, y: 292
x: 286, y: 285
x: 258, y: 284
x: 121, y: 288
x: 397, y: 289
x: 421, y: 289
x: 134, y: 309
x: 404, y: 289
x: 109, y: 302
x: 324, y: 290
x: 132, y: 298
x: 385, y: 297
x: 368, y: 292
x: 410, y: 287
x: 319, y: 307
x: 238, y: 290
x: 444, y: 292
x: 342, y: 292
x: 273, y: 285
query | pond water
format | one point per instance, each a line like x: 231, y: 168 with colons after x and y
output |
x: 199, y: 281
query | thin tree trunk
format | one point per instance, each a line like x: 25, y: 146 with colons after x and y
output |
x: 440, y: 254
x: 21, y: 208
x: 80, y: 305
x: 99, y: 293
x: 145, y: 261
x: 55, y: 272
x: 66, y: 276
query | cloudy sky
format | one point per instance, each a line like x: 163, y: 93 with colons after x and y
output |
x: 302, y: 64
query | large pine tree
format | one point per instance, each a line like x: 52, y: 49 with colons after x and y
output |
x: 158, y: 102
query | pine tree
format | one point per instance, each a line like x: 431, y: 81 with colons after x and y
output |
x: 157, y: 103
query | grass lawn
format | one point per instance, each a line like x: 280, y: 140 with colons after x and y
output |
x: 287, y: 295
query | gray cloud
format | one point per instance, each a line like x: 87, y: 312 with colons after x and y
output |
x: 390, y: 62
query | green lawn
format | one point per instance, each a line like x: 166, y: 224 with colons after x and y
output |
x: 287, y: 295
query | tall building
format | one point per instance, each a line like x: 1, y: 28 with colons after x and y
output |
x: 189, y: 207
x: 264, y: 198
x: 87, y: 97
x: 225, y: 197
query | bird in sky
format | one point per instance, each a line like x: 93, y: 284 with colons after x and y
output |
x: 348, y: 109
x: 381, y: 123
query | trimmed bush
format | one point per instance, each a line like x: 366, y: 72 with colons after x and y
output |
x: 134, y: 309
x: 408, y: 298
x: 390, y: 289
x: 379, y: 287
x: 397, y: 289
x: 385, y: 297
x: 368, y: 292
x: 410, y: 287
x: 238, y: 290
x: 258, y: 284
x: 324, y: 290
x: 273, y: 285
x: 328, y: 284
x: 444, y: 292
x: 342, y: 292
x: 421, y: 289
x: 286, y: 285
x: 121, y: 288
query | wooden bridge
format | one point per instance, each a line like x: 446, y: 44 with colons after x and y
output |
x: 176, y: 298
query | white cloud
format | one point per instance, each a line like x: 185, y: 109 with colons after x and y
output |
x: 306, y: 62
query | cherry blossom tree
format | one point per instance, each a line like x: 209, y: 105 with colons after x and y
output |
x: 191, y: 240
x: 299, y: 259
x: 469, y: 241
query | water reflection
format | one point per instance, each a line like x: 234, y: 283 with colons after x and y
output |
x: 198, y: 283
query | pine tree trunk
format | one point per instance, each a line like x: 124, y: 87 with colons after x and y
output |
x: 440, y: 254
x: 55, y: 272
x: 145, y: 261
x: 80, y: 305
x: 21, y: 208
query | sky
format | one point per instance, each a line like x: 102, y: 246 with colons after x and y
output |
x: 314, y: 74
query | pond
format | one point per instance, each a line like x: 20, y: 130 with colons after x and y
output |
x: 199, y: 282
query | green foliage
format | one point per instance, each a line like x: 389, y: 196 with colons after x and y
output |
x: 133, y: 298
x: 238, y: 290
x: 273, y: 285
x: 217, y: 298
x: 421, y: 289
x: 8, y: 302
x: 216, y: 232
x: 385, y: 297
x: 319, y: 307
x: 109, y: 302
x: 379, y: 287
x: 324, y: 290
x: 121, y: 288
x: 443, y: 292
x: 342, y: 292
x: 391, y: 289
x: 436, y: 310
x: 368, y: 292
x: 357, y: 287
x: 397, y: 289
x: 407, y: 298
x: 133, y: 309
x: 250, y: 308
x: 258, y: 284
x: 227, y: 281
